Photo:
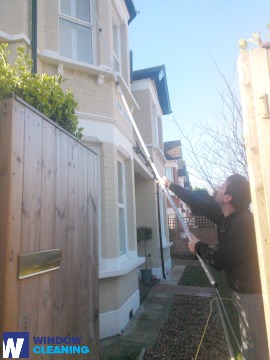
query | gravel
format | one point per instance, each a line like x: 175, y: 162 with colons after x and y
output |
x: 181, y: 333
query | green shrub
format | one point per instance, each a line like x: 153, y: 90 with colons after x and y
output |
x: 144, y: 233
x: 41, y: 91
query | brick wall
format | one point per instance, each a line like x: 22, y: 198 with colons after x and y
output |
x: 200, y: 226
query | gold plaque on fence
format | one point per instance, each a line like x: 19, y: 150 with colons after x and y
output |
x: 38, y: 263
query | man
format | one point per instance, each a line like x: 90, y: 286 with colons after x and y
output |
x: 236, y: 254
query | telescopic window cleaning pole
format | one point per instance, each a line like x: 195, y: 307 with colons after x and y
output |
x: 166, y: 191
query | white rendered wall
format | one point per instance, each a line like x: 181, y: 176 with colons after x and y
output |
x: 113, y: 322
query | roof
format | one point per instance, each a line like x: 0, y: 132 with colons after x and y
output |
x: 131, y: 9
x: 172, y: 150
x: 158, y: 74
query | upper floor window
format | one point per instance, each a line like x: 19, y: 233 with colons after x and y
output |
x: 116, y: 45
x: 76, y: 30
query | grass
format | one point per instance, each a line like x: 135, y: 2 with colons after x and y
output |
x: 195, y: 276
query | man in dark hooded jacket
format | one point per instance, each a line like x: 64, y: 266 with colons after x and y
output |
x: 236, y: 254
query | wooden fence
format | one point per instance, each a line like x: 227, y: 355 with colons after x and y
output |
x: 254, y: 77
x: 48, y: 201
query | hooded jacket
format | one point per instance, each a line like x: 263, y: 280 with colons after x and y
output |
x: 236, y: 252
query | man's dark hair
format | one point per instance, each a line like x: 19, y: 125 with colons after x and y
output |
x: 238, y: 188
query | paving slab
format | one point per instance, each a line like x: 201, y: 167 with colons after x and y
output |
x: 173, y: 277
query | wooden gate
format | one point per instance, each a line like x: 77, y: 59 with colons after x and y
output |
x: 48, y: 202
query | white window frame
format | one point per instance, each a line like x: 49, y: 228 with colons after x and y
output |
x: 123, y: 205
x: 76, y: 21
x: 157, y: 128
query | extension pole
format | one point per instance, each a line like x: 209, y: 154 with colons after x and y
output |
x: 34, y: 36
x: 166, y: 191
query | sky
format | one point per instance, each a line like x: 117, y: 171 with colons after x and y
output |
x: 189, y: 37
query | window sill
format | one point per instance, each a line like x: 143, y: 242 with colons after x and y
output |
x: 53, y: 57
x: 123, y: 269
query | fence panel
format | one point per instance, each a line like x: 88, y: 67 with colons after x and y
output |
x: 48, y: 201
x: 254, y: 78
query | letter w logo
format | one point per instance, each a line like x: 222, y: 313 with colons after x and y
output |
x: 15, y: 345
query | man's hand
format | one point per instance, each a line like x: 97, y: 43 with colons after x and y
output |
x: 164, y: 181
x: 193, y: 243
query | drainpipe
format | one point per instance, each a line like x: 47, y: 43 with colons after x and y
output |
x: 160, y: 234
x: 34, y: 36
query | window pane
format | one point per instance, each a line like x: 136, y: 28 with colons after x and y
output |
x: 83, y: 10
x: 65, y: 38
x: 116, y: 39
x: 169, y: 173
x: 116, y: 46
x: 116, y: 64
x: 84, y: 43
x: 79, y: 9
x: 120, y: 183
x: 122, y: 232
x: 75, y: 41
x: 66, y: 7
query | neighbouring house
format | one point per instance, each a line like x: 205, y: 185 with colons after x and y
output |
x: 87, y: 43
x: 150, y: 90
x: 177, y: 173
